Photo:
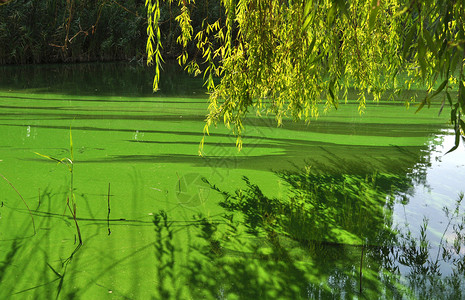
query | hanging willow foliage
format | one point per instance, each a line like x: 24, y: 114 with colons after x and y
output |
x: 286, y: 58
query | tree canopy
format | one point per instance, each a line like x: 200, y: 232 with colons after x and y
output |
x: 288, y: 57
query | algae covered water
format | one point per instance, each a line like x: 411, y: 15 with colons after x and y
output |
x: 351, y: 205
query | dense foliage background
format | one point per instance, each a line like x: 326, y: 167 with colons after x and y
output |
x: 85, y: 30
x: 71, y: 31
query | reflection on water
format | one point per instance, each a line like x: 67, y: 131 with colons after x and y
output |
x: 348, y: 203
x: 436, y: 201
x: 347, y: 229
x: 440, y: 182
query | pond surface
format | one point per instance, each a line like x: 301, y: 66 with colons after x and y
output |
x: 390, y: 224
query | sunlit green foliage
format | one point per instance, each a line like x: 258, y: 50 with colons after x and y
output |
x: 286, y: 58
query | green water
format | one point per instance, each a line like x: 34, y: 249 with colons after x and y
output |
x: 135, y: 153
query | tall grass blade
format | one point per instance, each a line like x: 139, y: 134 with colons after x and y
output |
x: 49, y: 157
x: 71, y: 145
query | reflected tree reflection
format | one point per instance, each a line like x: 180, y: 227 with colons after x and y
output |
x: 333, y: 235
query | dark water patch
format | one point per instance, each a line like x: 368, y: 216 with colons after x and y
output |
x: 212, y: 144
x: 362, y: 162
x: 85, y: 221
x: 400, y: 129
x: 79, y: 116
x: 408, y: 125
x: 169, y: 132
x: 32, y: 107
x: 282, y: 141
x: 122, y: 100
x: 90, y: 128
x: 101, y: 79
x: 418, y: 129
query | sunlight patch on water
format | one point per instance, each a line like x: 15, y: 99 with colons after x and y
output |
x: 436, y: 197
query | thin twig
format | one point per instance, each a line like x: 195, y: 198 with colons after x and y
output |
x: 38, y: 205
x: 126, y: 9
x: 108, y: 215
x: 73, y: 213
x: 30, y: 213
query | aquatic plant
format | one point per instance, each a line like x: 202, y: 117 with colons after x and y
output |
x: 71, y: 198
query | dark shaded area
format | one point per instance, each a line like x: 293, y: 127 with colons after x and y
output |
x: 9, y: 257
x: 321, y: 207
x: 123, y: 100
x: 90, y: 30
x: 70, y: 31
x: 103, y: 79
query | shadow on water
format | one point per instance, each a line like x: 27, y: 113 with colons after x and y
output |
x: 47, y: 265
x: 332, y: 237
x: 345, y: 158
x: 27, y: 268
x: 7, y: 262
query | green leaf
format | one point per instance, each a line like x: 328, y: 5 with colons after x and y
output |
x: 440, y: 88
x: 449, y: 98
x: 455, y: 61
x: 342, y: 7
x: 443, y: 48
x: 422, y: 56
x: 312, y: 43
x: 461, y: 97
x: 421, y: 105
x: 408, y: 41
x: 307, y: 21
x: 332, y: 14
x: 375, y: 5
x: 429, y: 42
x: 453, y: 114
x: 331, y: 93
x: 442, y: 106
x: 71, y: 144
x: 49, y: 157
x: 307, y: 8
x: 457, y: 140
